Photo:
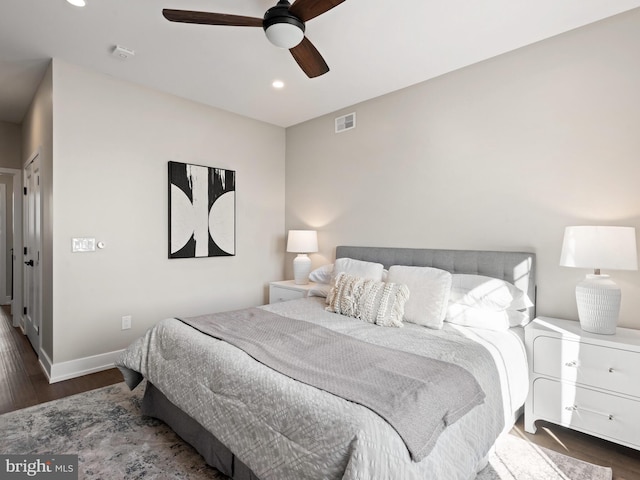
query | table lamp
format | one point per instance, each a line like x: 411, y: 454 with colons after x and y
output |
x: 302, y: 242
x: 597, y: 296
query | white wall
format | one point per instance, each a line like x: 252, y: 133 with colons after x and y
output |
x: 500, y: 155
x: 112, y: 142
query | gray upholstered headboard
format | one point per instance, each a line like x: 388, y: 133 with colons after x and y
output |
x: 518, y: 268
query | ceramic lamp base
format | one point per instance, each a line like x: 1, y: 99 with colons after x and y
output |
x: 301, y: 269
x: 598, y: 299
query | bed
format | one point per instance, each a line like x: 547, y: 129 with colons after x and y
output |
x: 252, y: 422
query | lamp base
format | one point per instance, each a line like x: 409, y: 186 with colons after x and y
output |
x: 301, y: 269
x: 598, y: 299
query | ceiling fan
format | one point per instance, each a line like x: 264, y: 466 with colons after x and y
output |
x: 284, y: 26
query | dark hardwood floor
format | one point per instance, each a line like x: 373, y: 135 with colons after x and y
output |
x: 22, y: 380
x: 23, y: 383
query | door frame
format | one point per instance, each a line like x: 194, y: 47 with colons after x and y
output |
x: 16, y: 303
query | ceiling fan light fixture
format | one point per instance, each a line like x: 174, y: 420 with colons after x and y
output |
x: 77, y: 3
x: 282, y: 28
x: 284, y: 35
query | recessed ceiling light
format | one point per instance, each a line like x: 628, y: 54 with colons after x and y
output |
x: 77, y: 3
x: 277, y: 84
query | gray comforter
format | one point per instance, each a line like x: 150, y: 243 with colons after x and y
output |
x: 398, y: 386
x: 283, y: 429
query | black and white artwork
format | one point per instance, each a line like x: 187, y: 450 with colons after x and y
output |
x: 202, y: 211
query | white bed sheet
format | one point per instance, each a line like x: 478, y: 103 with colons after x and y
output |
x: 508, y: 351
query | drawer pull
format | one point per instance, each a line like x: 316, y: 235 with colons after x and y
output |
x: 574, y: 408
x: 572, y: 363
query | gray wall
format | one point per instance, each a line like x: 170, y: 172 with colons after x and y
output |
x: 10, y: 145
x: 10, y: 157
x: 500, y: 155
x: 37, y: 137
x: 7, y: 181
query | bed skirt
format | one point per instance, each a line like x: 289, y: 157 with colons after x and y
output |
x: 215, y: 453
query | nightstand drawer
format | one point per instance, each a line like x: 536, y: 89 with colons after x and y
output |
x: 598, y: 413
x: 607, y: 368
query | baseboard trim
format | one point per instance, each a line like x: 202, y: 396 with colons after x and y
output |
x: 45, y: 364
x: 18, y: 321
x: 58, y: 372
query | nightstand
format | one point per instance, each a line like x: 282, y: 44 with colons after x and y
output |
x: 584, y: 381
x: 288, y: 290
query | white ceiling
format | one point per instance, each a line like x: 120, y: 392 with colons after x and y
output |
x: 372, y: 48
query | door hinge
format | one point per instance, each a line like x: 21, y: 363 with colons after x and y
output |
x: 24, y: 310
x: 25, y: 251
x: 25, y: 190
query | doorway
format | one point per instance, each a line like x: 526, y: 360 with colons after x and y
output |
x: 32, y: 272
x: 13, y: 236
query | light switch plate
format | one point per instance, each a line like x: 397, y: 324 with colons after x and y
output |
x: 83, y: 245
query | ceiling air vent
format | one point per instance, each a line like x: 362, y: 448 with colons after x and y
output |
x: 346, y: 122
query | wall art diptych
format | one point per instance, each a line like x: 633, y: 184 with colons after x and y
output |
x: 202, y: 211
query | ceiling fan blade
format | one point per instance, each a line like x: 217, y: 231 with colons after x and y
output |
x: 305, y: 10
x: 309, y: 59
x: 206, y: 18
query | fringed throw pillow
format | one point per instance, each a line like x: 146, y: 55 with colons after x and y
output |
x: 370, y: 300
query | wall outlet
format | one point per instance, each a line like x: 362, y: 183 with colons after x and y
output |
x: 126, y: 322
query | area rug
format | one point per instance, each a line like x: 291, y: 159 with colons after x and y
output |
x: 113, y: 441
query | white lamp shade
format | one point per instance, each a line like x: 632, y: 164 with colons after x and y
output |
x: 610, y: 248
x: 284, y: 35
x: 302, y: 241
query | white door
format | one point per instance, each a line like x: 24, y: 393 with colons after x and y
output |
x: 32, y: 275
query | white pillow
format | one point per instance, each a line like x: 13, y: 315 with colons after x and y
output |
x: 517, y: 318
x: 467, y: 316
x: 358, y: 268
x: 322, y: 274
x: 430, y: 289
x: 486, y: 292
x: 460, y: 314
x: 320, y: 290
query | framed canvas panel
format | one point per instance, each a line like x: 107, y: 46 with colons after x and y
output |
x: 202, y: 211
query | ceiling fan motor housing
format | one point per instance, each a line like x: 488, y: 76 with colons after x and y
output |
x: 280, y: 14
